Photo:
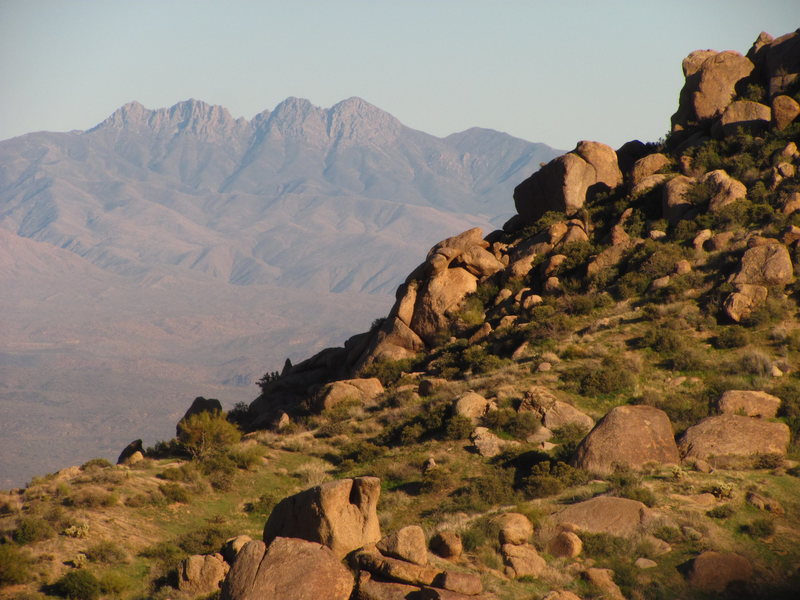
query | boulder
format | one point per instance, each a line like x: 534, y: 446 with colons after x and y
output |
x: 791, y: 203
x: 719, y: 75
x: 479, y: 262
x: 522, y: 560
x: 749, y: 403
x: 201, y: 575
x: 514, y: 528
x: 782, y: 63
x: 606, y: 514
x: 752, y: 117
x: 610, y: 257
x: 784, y: 111
x: 347, y: 390
x: 560, y: 185
x: 649, y: 183
x: 629, y: 436
x: 471, y: 405
x: 604, y: 160
x: 407, y: 543
x: 724, y: 189
x: 129, y: 450
x: 290, y: 569
x: 447, y: 544
x: 741, y: 303
x: 603, y: 579
x: 232, y: 547
x: 674, y: 201
x: 629, y: 153
x: 764, y: 503
x: 462, y: 583
x: 339, y: 514
x: 437, y: 295
x: 486, y: 443
x: 766, y: 264
x: 369, y: 589
x: 393, y: 569
x: 732, y: 436
x: 198, y: 406
x: 714, y: 571
x: 565, y: 544
x: 647, y: 166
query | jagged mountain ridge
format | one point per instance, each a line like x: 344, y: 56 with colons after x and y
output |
x: 236, y: 199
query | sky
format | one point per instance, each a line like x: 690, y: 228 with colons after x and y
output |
x: 546, y: 71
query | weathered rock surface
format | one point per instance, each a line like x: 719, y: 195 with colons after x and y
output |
x: 725, y: 189
x: 339, y: 514
x: 647, y: 166
x: 749, y: 403
x: 719, y: 75
x: 486, y: 443
x: 407, y: 543
x: 782, y: 63
x: 337, y: 392
x: 394, y: 569
x: 728, y: 436
x: 713, y: 571
x: 514, y: 528
x: 785, y: 110
x: 752, y: 117
x: 232, y: 547
x: 603, y: 579
x: 471, y: 405
x: 767, y: 264
x: 290, y: 569
x: 565, y: 544
x: 675, y: 203
x: 129, y: 450
x: 604, y: 160
x: 462, y: 583
x: 437, y: 295
x: 369, y: 589
x: 606, y: 514
x: 630, y: 436
x: 522, y: 560
x: 740, y: 304
x: 201, y: 574
x: 447, y: 544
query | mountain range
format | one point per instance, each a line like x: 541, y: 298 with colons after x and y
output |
x: 170, y: 253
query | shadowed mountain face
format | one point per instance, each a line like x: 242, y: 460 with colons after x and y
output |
x: 177, y: 252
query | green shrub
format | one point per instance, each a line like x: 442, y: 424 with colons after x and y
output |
x: 33, y: 529
x: 15, y: 565
x: 457, y: 428
x: 516, y: 425
x: 389, y: 371
x: 723, y: 511
x: 755, y: 362
x: 548, y: 478
x: 247, y: 458
x: 264, y: 505
x: 186, y: 473
x: 605, y: 545
x: 207, y: 432
x: 760, y: 528
x: 206, y: 540
x: 361, y: 451
x: 78, y: 585
x: 174, y: 492
x: 493, y: 488
x: 96, y: 463
x: 166, y: 554
x: 114, y: 583
x: 92, y: 497
x: 107, y: 552
x: 434, y: 481
x: 613, y: 376
x: 733, y: 336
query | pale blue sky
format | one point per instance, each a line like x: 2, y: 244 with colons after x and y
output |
x: 554, y: 71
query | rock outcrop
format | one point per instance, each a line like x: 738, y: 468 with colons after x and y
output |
x: 348, y: 390
x: 606, y: 514
x: 714, y: 571
x: 749, y: 403
x: 290, y: 569
x: 628, y: 436
x: 339, y: 514
x: 407, y: 543
x: 726, y: 438
x: 201, y: 575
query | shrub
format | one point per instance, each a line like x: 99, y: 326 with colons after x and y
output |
x: 165, y: 554
x: 107, y: 552
x: 434, y: 480
x: 389, y: 371
x: 174, y: 492
x: 264, y: 505
x: 755, y: 362
x: 96, y: 463
x: 516, y: 425
x: 760, y: 528
x: 361, y: 451
x: 206, y: 540
x: 605, y: 545
x: 611, y: 377
x: 15, y: 565
x: 247, y: 458
x: 92, y: 497
x: 733, y: 336
x: 32, y: 529
x: 113, y: 583
x: 78, y: 585
x: 186, y: 473
x: 548, y: 478
x: 723, y: 511
x: 495, y: 487
x: 207, y: 432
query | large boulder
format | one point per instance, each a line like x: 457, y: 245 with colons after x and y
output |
x: 629, y: 436
x: 289, y: 569
x: 201, y: 574
x: 471, y: 405
x: 447, y: 544
x: 752, y: 117
x: 347, y: 390
x: 647, y: 166
x: 675, y: 203
x: 766, y: 264
x: 339, y: 514
x: 740, y: 304
x: 393, y: 569
x: 785, y: 110
x: 438, y: 295
x: 407, y: 543
x: 604, y: 160
x: 553, y: 412
x: 719, y: 75
x: 724, y: 189
x: 782, y: 63
x: 522, y: 560
x: 606, y: 514
x: 749, y: 403
x: 727, y: 438
x: 714, y: 571
x: 560, y: 185
x: 129, y: 450
x: 514, y: 528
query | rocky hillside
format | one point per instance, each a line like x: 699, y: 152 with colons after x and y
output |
x: 600, y: 400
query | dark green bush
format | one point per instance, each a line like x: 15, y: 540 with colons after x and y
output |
x: 78, y: 585
x: 264, y: 505
x: 206, y: 540
x: 516, y: 425
x: 206, y: 433
x: 605, y: 545
x: 494, y: 488
x: 166, y: 554
x: 15, y: 565
x: 106, y: 552
x: 174, y: 492
x: 548, y: 478
x: 733, y: 336
x: 723, y: 511
x: 613, y: 376
x: 91, y: 497
x: 33, y: 529
x: 96, y: 463
x: 186, y: 473
x: 361, y: 451
x: 760, y: 528
x: 389, y: 371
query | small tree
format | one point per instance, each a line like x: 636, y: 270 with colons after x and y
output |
x: 207, y: 432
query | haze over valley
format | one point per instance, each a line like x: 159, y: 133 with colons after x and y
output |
x: 171, y: 253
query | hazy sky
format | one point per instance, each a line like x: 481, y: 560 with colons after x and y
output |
x: 555, y: 71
